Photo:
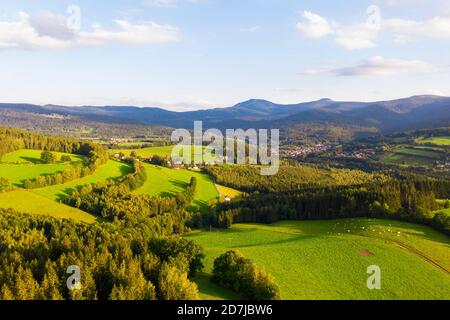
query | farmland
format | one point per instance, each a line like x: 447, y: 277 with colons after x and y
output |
x: 110, y: 170
x: 166, y: 182
x: 329, y: 259
x: 227, y: 192
x: 26, y: 164
x: 438, y: 141
x: 33, y: 156
x: 414, y: 155
x: 32, y: 203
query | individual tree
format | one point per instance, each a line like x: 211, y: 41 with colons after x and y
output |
x: 175, y: 285
x: 5, y: 185
x: 47, y: 157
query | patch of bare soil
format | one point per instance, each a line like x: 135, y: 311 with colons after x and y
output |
x: 365, y: 253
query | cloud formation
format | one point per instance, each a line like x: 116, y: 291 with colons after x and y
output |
x: 50, y: 31
x: 314, y: 26
x: 378, y: 66
x: 362, y: 36
x: 167, y: 3
x: 436, y: 27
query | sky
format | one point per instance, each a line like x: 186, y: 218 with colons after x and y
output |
x: 195, y: 54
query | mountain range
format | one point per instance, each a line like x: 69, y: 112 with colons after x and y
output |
x: 383, y: 116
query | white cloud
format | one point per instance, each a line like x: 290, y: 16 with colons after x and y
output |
x: 314, y: 26
x: 160, y: 3
x: 378, y: 66
x: 361, y: 36
x: 167, y: 3
x: 356, y: 37
x: 437, y: 27
x: 50, y: 31
x: 250, y: 29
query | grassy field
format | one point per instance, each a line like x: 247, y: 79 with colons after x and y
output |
x: 26, y: 164
x: 329, y: 259
x: 418, y: 153
x: 34, y: 157
x: 32, y: 203
x: 439, y: 141
x: 168, y: 182
x: 227, y: 192
x: 110, y: 170
x: 413, y: 156
x: 17, y: 173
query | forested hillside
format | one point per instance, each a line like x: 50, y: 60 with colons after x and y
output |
x: 289, y: 177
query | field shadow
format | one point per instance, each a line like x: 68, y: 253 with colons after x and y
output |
x: 124, y: 170
x: 207, y: 287
x: 179, y: 184
x: 31, y: 160
x: 167, y: 194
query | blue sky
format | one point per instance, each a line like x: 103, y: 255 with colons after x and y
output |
x: 191, y: 54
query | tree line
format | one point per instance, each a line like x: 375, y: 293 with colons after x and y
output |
x: 413, y: 201
x: 14, y: 139
x: 115, y: 202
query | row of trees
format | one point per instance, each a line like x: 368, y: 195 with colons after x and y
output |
x: 114, y: 201
x: 14, y: 139
x: 48, y: 157
x: 407, y: 200
x: 92, y: 163
x: 5, y: 185
x: 241, y: 275
x: 35, y: 253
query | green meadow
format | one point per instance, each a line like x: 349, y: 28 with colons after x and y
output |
x: 26, y: 164
x: 413, y: 156
x: 110, y: 170
x: 227, y: 192
x: 17, y: 173
x: 167, y: 182
x: 418, y: 153
x: 34, y: 156
x: 329, y: 259
x: 35, y: 204
x: 439, y: 141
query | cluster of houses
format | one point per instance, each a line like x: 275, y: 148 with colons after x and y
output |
x: 442, y: 164
x: 180, y: 165
x: 359, y: 154
x: 177, y: 165
x: 303, y: 151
